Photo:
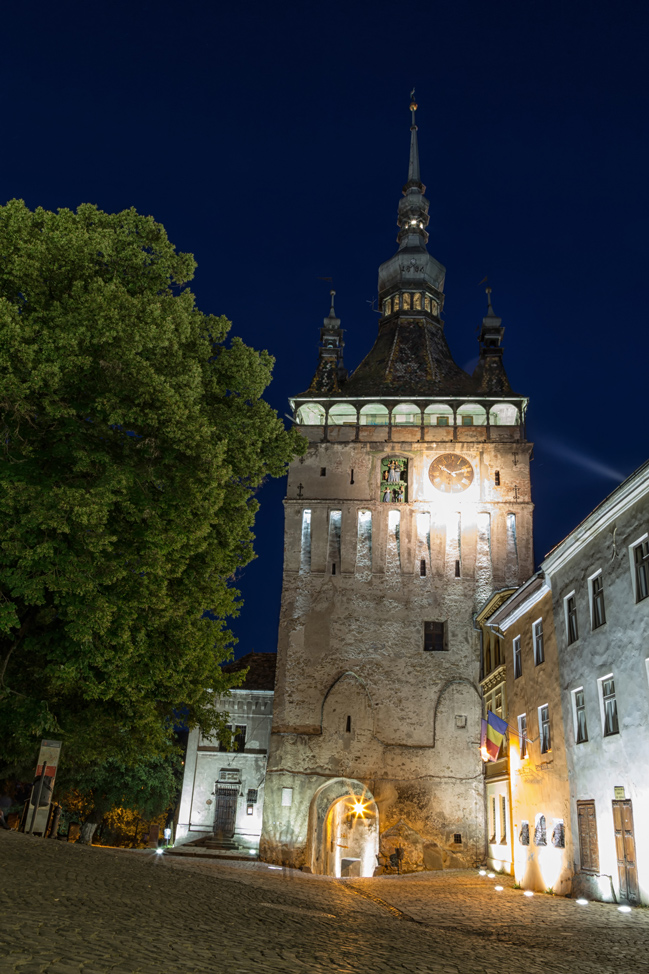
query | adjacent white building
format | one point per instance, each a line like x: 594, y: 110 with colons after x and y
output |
x: 223, y: 791
x: 600, y: 586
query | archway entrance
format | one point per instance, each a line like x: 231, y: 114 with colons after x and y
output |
x: 343, y: 829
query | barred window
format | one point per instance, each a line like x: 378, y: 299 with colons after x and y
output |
x: 435, y: 637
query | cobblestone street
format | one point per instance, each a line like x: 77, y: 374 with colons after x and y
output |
x: 68, y: 908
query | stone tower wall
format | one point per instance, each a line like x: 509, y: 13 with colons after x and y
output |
x: 357, y: 697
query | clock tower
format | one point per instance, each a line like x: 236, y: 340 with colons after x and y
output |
x: 411, y: 506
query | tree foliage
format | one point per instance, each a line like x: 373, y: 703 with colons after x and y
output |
x: 133, y: 439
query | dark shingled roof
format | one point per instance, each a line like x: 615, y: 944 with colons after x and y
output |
x: 409, y: 358
x: 261, y: 670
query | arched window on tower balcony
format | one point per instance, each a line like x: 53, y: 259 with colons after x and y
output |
x: 343, y: 414
x: 471, y: 414
x: 405, y: 301
x: 311, y: 414
x: 395, y: 302
x: 439, y: 414
x: 406, y: 414
x: 374, y: 414
x: 416, y: 302
x: 426, y: 302
x: 387, y: 306
x: 504, y: 414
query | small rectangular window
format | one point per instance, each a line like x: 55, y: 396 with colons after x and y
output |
x: 351, y: 478
x: 252, y: 795
x: 544, y: 729
x: 579, y: 715
x: 287, y: 797
x: 422, y: 568
x: 442, y: 420
x: 435, y: 637
x: 467, y: 421
x: 497, y: 478
x: 641, y: 565
x: 457, y: 838
x: 598, y: 614
x: 518, y: 662
x: 323, y: 471
x: 609, y: 706
x: 333, y: 568
x: 457, y: 568
x: 537, y: 633
x: 522, y: 735
x: 571, y: 619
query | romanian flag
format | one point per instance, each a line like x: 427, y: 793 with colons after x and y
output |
x: 493, y: 732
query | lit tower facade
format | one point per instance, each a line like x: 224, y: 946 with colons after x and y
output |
x: 411, y: 506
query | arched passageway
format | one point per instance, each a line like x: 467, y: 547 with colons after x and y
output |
x: 343, y: 829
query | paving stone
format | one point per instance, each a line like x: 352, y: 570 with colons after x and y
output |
x: 67, y: 909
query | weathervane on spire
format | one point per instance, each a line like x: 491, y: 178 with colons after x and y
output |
x: 413, y: 107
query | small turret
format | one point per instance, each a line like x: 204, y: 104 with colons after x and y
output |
x: 331, y: 372
x: 489, y: 375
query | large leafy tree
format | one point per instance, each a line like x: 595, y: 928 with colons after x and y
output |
x: 133, y: 437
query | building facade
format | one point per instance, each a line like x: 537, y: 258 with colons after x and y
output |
x: 411, y: 505
x: 222, y: 795
x: 600, y: 584
x: 493, y: 684
x: 539, y: 833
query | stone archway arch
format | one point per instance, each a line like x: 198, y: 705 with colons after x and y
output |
x: 324, y: 854
x: 337, y: 685
x: 440, y: 695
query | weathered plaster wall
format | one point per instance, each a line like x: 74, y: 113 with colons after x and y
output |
x: 620, y: 647
x: 351, y: 643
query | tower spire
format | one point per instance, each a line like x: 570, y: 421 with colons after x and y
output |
x: 413, y: 165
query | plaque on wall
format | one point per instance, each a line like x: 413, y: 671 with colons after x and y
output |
x: 618, y: 792
x: 229, y: 774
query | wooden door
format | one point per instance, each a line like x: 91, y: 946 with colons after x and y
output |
x: 625, y: 851
x: 225, y: 813
x: 588, y: 846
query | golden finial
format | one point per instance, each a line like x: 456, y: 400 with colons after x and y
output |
x: 413, y: 103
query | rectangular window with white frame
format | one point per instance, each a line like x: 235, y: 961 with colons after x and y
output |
x: 608, y: 704
x: 579, y: 716
x: 597, y: 610
x: 639, y: 558
x: 518, y: 662
x: 522, y: 735
x: 570, y: 612
x: 544, y: 729
x: 537, y: 635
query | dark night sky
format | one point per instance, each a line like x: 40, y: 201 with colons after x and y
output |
x: 271, y: 140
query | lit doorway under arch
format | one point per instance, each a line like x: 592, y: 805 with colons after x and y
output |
x: 343, y: 829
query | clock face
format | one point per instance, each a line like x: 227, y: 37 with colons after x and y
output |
x: 451, y: 473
